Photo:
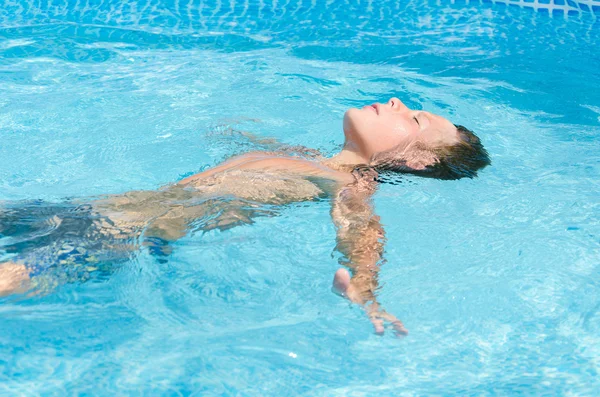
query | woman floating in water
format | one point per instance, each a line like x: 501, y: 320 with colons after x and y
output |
x: 52, y: 244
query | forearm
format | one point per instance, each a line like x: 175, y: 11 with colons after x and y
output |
x: 360, y: 240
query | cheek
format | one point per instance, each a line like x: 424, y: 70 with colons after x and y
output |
x: 371, y: 132
x: 388, y: 134
x: 398, y: 127
x: 384, y: 140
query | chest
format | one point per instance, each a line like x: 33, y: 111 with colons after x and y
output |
x: 263, y: 187
x: 272, y: 180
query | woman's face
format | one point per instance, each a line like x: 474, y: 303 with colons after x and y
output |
x: 381, y: 127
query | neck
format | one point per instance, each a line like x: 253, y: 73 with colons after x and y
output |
x: 346, y: 160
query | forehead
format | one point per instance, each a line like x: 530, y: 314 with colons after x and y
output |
x: 439, y: 122
x: 441, y: 129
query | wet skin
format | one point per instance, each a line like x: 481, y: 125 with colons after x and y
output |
x: 273, y: 178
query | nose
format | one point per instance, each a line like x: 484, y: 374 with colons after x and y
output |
x: 397, y: 104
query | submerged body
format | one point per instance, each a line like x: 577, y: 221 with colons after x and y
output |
x: 227, y: 195
x: 107, y: 230
x: 52, y: 244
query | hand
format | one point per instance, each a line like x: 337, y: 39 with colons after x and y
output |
x: 379, y: 316
x: 342, y: 285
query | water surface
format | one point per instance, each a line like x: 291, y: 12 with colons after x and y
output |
x: 496, y: 277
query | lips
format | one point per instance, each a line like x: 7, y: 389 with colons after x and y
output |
x: 372, y: 107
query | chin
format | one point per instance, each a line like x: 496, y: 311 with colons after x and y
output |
x: 350, y: 119
x: 351, y: 114
x: 353, y: 119
x: 356, y: 127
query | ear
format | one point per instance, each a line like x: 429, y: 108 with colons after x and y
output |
x: 419, y: 159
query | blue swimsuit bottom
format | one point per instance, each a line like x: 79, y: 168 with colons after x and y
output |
x: 64, y: 239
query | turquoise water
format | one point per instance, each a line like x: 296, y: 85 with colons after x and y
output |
x: 496, y: 278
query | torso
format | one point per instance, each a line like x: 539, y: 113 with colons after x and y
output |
x: 268, y: 178
x: 257, y: 177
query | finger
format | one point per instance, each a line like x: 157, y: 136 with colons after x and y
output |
x: 399, y: 329
x: 378, y: 325
x: 398, y: 326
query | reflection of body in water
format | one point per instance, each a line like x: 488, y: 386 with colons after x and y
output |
x: 50, y: 244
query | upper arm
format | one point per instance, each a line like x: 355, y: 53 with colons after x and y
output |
x: 360, y: 235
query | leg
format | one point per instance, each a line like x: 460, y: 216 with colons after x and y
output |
x: 56, y: 244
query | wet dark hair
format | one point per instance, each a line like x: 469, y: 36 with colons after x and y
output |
x: 457, y: 161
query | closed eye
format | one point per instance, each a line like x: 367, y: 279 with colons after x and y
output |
x: 415, y: 119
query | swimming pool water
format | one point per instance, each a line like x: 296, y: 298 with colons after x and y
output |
x: 496, y: 278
